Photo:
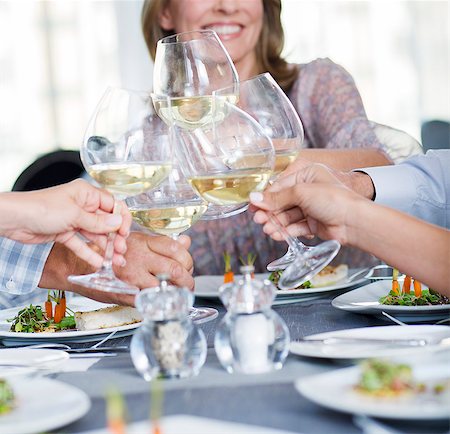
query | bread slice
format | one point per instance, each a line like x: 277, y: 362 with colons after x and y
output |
x: 106, y: 317
x: 330, y: 275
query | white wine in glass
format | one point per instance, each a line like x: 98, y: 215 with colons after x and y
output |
x: 125, y: 152
x: 227, y: 159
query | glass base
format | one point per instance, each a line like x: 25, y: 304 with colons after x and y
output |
x: 215, y: 212
x: 283, y: 262
x: 306, y: 266
x: 104, y: 282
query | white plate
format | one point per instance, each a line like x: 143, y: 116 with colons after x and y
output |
x: 366, y: 300
x: 34, y: 358
x: 360, y: 350
x: 9, y: 338
x: 335, y: 390
x: 208, y: 287
x: 81, y: 304
x: 43, y: 405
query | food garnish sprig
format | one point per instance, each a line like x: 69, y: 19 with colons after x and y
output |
x: 228, y: 276
x: 251, y: 259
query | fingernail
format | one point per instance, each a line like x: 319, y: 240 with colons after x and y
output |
x: 256, y: 196
x: 123, y: 262
x: 114, y: 220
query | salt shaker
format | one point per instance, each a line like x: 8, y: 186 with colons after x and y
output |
x: 167, y: 344
x: 251, y: 338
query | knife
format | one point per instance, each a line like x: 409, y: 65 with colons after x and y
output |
x: 350, y: 340
x: 118, y: 349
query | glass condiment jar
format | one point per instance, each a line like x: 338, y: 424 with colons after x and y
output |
x: 251, y: 338
x: 167, y: 344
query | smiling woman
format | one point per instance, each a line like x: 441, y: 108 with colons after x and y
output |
x: 323, y: 94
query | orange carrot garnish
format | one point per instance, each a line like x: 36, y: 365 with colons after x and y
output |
x: 395, y: 286
x: 48, y: 307
x: 63, y: 303
x: 406, y: 289
x: 417, y: 288
x: 59, y: 315
x: 228, y: 276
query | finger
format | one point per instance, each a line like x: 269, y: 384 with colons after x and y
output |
x: 172, y: 249
x: 83, y: 251
x: 119, y: 260
x: 283, y: 182
x: 99, y: 240
x: 127, y: 219
x: 98, y: 223
x: 185, y: 241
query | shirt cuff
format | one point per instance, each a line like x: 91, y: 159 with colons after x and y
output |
x: 395, y: 186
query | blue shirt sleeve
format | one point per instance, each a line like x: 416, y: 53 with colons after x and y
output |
x: 419, y: 186
x: 21, y: 265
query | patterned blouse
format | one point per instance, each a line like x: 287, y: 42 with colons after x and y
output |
x: 333, y: 116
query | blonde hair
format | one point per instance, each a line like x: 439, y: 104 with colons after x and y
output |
x: 268, y: 49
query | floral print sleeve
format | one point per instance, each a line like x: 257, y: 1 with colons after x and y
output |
x: 330, y: 106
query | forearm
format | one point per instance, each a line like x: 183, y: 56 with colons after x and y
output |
x: 347, y: 159
x: 61, y: 263
x: 411, y: 245
x: 12, y: 212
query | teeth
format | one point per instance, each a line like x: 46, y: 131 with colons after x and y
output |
x: 225, y: 29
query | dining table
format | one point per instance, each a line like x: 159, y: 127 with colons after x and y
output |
x: 267, y: 400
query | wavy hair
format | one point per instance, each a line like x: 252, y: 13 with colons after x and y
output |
x: 268, y: 49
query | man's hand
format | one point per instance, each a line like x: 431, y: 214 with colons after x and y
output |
x: 146, y: 257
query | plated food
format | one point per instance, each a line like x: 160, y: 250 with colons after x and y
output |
x: 111, y: 316
x: 383, y: 389
x: 329, y: 276
x: 404, y: 296
x: 366, y: 300
x: 32, y: 319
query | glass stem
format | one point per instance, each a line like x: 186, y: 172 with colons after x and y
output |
x: 109, y: 250
x: 294, y: 244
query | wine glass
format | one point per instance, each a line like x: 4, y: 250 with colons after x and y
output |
x: 117, y: 155
x: 226, y: 159
x: 170, y: 210
x: 266, y: 102
x: 188, y: 68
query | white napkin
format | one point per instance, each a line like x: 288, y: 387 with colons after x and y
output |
x: 81, y: 364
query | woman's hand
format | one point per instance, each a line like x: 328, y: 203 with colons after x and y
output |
x: 311, y: 201
x: 63, y: 213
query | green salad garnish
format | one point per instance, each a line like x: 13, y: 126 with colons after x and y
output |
x: 428, y: 297
x: 31, y: 319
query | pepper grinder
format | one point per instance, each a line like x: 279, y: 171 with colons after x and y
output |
x: 167, y: 344
x: 251, y: 338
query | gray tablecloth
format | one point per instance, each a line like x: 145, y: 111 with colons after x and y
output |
x: 268, y: 400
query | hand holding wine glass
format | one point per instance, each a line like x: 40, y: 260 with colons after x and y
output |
x: 116, y: 155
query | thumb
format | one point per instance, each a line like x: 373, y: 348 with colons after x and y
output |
x: 99, y: 223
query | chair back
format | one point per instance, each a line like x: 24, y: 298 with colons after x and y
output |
x: 435, y: 135
x: 399, y: 144
x: 54, y: 168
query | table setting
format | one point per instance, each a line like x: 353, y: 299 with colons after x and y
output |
x: 246, y: 355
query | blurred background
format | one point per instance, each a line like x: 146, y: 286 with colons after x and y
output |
x: 57, y: 57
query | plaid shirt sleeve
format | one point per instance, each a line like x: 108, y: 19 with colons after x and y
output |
x: 21, y: 265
